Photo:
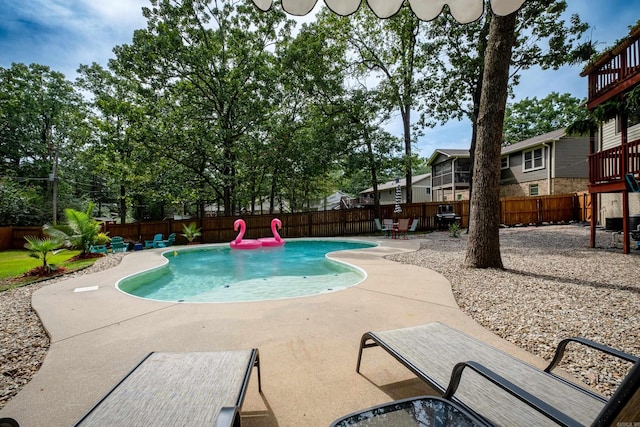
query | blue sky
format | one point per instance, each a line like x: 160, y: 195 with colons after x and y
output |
x: 66, y: 33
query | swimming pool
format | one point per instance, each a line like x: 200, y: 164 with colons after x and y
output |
x: 220, y: 274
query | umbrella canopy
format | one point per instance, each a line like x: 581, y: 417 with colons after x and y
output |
x: 398, y: 208
x: 463, y: 11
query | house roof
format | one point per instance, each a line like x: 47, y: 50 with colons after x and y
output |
x: 449, y: 153
x: 532, y: 142
x: 393, y: 184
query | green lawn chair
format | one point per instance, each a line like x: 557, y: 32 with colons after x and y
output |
x: 118, y: 244
x: 164, y: 243
x: 98, y: 249
x: 150, y: 244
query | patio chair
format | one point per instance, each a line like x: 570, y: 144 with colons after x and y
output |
x: 149, y: 244
x: 414, y: 225
x: 387, y: 223
x: 500, y: 388
x: 403, y: 227
x: 164, y: 243
x: 118, y: 244
x: 98, y: 249
x: 379, y: 227
x: 194, y: 388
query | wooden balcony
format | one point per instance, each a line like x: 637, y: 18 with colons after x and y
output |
x: 606, y: 168
x: 615, y: 71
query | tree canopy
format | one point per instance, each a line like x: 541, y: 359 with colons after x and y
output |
x: 532, y: 116
x: 216, y: 104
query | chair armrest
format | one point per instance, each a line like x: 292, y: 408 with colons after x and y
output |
x: 228, y: 417
x: 597, y: 346
x: 519, y: 393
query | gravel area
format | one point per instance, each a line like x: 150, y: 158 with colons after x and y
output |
x: 23, y: 340
x: 553, y: 286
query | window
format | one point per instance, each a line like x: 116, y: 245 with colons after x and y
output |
x: 532, y: 160
x: 427, y: 190
x: 633, y: 118
x: 504, y: 162
x: 534, y: 190
x: 459, y: 196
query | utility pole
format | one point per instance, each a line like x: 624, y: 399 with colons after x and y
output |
x: 54, y: 186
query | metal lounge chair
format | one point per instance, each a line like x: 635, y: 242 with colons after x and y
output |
x: 501, y: 389
x: 169, y: 389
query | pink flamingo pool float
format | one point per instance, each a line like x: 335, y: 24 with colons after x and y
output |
x: 239, y: 243
x: 276, y: 240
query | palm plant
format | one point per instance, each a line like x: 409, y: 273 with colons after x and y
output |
x: 190, y: 231
x: 80, y: 231
x: 40, y: 248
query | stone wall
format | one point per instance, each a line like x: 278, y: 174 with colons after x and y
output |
x: 570, y: 185
x: 559, y: 186
x: 522, y: 189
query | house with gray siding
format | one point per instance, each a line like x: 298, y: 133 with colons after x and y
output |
x: 552, y: 163
x: 548, y: 164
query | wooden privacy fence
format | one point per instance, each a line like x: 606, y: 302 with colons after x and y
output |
x: 537, y: 210
x: 346, y: 222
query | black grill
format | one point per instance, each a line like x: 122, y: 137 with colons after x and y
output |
x: 446, y: 216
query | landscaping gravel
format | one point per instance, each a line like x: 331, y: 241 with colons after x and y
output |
x: 23, y: 340
x: 553, y: 286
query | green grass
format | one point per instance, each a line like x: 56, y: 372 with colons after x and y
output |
x: 17, y: 262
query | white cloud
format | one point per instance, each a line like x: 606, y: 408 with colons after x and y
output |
x: 118, y: 16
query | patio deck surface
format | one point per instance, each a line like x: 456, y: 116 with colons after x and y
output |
x: 308, y: 346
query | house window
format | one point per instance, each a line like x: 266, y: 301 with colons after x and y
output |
x: 504, y: 162
x: 534, y: 190
x: 532, y: 160
x: 459, y: 196
x: 427, y: 190
x: 633, y: 118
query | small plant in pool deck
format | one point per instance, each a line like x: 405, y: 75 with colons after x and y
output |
x: 454, y: 229
x: 191, y: 231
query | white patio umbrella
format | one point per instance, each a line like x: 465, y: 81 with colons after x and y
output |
x: 463, y: 11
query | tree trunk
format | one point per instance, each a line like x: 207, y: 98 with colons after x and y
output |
x: 477, y: 95
x: 483, y: 246
x: 123, y: 204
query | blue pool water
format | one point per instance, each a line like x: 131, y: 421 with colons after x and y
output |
x: 221, y: 274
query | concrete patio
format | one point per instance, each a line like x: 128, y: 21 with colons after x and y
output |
x: 308, y: 346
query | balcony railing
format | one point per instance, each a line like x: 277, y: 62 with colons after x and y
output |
x: 613, y: 71
x: 605, y: 167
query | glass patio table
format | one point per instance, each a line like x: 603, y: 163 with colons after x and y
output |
x: 412, y: 412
